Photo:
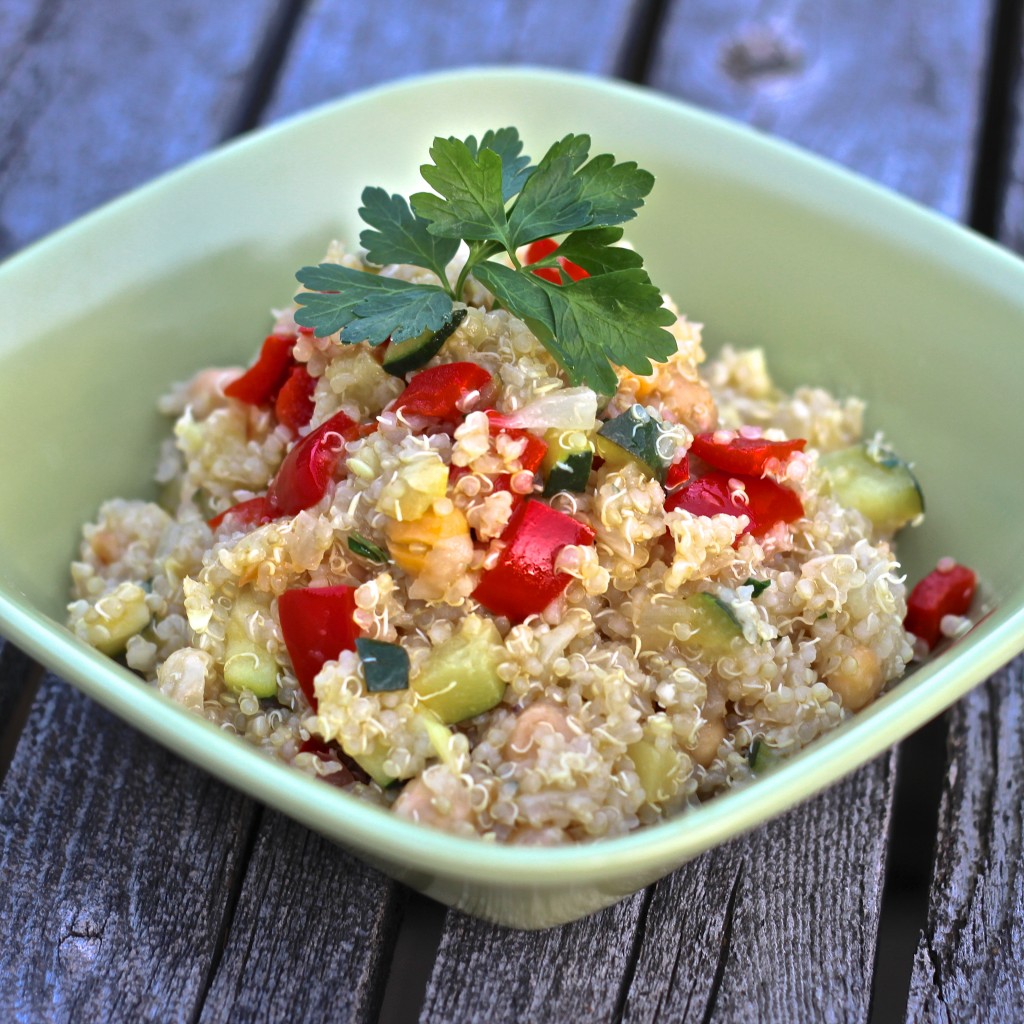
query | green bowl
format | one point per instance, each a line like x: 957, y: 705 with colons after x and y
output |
x: 844, y: 284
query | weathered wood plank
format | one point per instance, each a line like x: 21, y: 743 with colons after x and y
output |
x: 341, y: 47
x: 892, y: 90
x: 118, y: 862
x: 486, y: 973
x: 970, y: 959
x: 779, y: 925
x: 302, y: 893
x: 97, y: 96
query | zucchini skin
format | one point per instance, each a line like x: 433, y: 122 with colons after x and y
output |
x: 406, y: 356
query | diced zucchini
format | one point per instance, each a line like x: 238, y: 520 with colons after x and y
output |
x: 714, y: 622
x: 385, y: 666
x: 440, y: 736
x: 762, y: 757
x: 876, y: 482
x: 636, y: 436
x: 401, y: 358
x: 414, y: 488
x: 248, y: 665
x: 567, y: 462
x: 114, y: 619
x: 460, y: 679
x: 373, y: 764
x: 711, y: 623
x: 658, y: 768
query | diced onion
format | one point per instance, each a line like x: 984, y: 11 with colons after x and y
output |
x: 565, y: 409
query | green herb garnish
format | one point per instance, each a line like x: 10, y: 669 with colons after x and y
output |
x: 385, y: 666
x: 760, y: 586
x: 360, y: 546
x: 488, y: 195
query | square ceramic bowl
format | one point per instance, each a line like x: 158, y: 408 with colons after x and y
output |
x: 845, y: 285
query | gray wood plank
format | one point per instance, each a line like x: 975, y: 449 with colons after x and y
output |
x: 486, y: 973
x: 779, y: 925
x: 97, y: 96
x: 308, y: 916
x: 119, y: 863
x: 892, y: 90
x: 341, y: 47
x: 969, y: 964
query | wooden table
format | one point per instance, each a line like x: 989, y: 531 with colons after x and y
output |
x: 134, y: 887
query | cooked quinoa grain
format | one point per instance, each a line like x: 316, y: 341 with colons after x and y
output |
x: 546, y: 669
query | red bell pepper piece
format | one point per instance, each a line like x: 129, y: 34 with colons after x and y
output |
x: 524, y: 580
x: 250, y: 514
x: 678, y: 474
x: 543, y: 248
x: 293, y: 405
x: 317, y: 626
x: 745, y: 455
x: 767, y: 502
x: 308, y: 468
x: 261, y: 382
x: 947, y: 590
x: 437, y: 390
x: 533, y: 455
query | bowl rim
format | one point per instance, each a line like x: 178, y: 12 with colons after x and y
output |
x: 379, y: 833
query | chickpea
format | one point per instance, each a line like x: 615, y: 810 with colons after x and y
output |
x: 531, y: 724
x: 710, y: 737
x: 858, y: 678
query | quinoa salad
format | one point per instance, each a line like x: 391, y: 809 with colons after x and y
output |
x: 446, y: 576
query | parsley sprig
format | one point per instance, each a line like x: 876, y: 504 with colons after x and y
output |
x: 489, y: 195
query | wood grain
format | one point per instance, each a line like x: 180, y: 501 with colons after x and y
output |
x: 341, y: 47
x: 97, y: 96
x: 970, y: 960
x: 780, y: 925
x: 502, y: 976
x: 119, y: 864
x: 313, y: 922
x: 892, y: 90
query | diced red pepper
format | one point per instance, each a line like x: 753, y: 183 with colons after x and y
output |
x: 250, y: 514
x: 944, y: 591
x: 293, y: 405
x: 533, y: 455
x: 437, y: 390
x: 308, y: 468
x: 745, y: 455
x: 767, y: 502
x: 524, y: 580
x: 317, y: 626
x: 678, y: 474
x: 261, y: 382
x: 543, y: 248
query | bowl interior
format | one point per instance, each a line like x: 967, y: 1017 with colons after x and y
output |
x: 843, y: 284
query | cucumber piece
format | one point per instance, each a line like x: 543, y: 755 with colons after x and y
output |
x: 636, y: 436
x: 567, y: 462
x: 876, y: 482
x: 385, y: 666
x: 248, y: 665
x: 401, y: 358
x: 657, y: 768
x: 762, y: 757
x: 373, y: 764
x: 714, y: 623
x: 460, y: 679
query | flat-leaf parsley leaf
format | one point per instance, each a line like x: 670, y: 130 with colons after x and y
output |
x: 488, y: 195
